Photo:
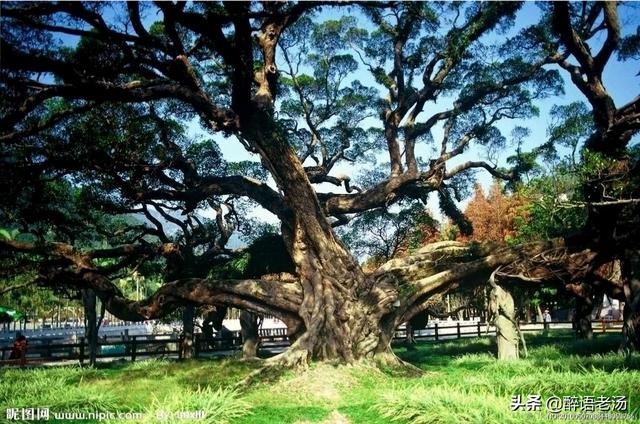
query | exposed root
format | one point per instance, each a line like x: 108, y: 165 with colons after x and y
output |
x: 389, y: 362
x: 297, y: 359
x: 291, y: 359
x: 255, y: 359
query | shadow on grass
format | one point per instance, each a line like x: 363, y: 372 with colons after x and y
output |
x: 206, y: 372
x: 560, y: 349
x: 440, y: 354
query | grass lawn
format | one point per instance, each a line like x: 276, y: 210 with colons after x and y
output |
x: 462, y: 383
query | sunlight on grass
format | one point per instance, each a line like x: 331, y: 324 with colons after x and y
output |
x: 56, y: 388
x: 219, y: 406
x: 462, y: 382
x: 147, y: 364
x: 421, y: 405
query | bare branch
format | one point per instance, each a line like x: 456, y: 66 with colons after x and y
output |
x: 479, y: 164
x: 18, y: 286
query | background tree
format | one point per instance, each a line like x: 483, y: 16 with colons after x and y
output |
x: 495, y: 217
x: 612, y: 210
x: 380, y: 234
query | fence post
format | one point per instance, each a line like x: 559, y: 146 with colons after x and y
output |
x: 133, y: 348
x: 81, y: 350
x: 436, y: 333
x: 478, y: 328
x: 48, y: 352
x: 125, y: 338
x: 458, y: 328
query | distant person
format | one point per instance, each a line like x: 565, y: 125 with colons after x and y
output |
x: 19, y: 349
x: 546, y: 316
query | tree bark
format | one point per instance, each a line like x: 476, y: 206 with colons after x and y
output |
x: 186, y: 346
x: 333, y: 311
x: 539, y: 316
x: 631, y: 313
x: 582, y: 317
x: 90, y: 323
x: 502, y: 309
x: 417, y: 322
x: 409, y: 340
x: 341, y: 309
x: 249, y: 327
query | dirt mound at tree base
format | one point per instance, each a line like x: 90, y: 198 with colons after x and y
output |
x: 320, y: 383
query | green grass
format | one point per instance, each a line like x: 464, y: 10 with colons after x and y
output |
x: 462, y: 383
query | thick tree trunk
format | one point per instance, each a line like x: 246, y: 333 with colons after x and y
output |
x: 338, y: 327
x: 409, y: 341
x: 631, y: 313
x: 418, y: 322
x: 186, y: 346
x: 501, y: 307
x: 341, y: 310
x: 582, y: 318
x: 250, y: 337
x: 539, y: 316
x: 90, y: 323
x: 212, y: 319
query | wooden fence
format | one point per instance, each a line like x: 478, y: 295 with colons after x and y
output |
x: 134, y: 347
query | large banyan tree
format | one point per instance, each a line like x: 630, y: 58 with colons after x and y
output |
x: 108, y: 95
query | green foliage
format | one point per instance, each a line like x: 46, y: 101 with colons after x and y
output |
x: 74, y: 389
x: 474, y: 387
x: 554, y: 209
x: 630, y: 46
x: 8, y: 234
x: 95, y: 58
x: 380, y: 234
x: 148, y: 364
x: 232, y: 268
x: 34, y: 301
x: 266, y: 255
x: 557, y: 198
x: 248, y: 169
x: 610, y: 175
x: 137, y: 283
x: 571, y: 125
x: 449, y: 232
x: 207, y: 157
